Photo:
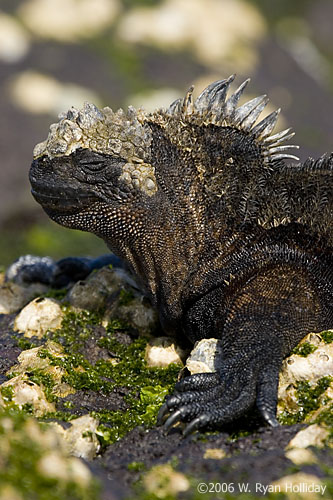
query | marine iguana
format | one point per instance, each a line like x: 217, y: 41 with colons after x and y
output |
x: 227, y: 238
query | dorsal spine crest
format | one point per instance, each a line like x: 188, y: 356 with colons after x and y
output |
x: 213, y: 107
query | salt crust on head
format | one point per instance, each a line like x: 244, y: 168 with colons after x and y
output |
x: 127, y: 135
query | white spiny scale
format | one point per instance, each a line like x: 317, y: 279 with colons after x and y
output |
x: 281, y: 156
x: 248, y: 113
x: 174, y: 106
x: 221, y: 90
x: 217, y: 88
x: 279, y: 141
x: 187, y: 105
x: 214, y: 107
x: 279, y: 149
x: 229, y: 108
x: 279, y: 135
x: 219, y: 99
x: 265, y: 127
x: 206, y: 99
x: 203, y: 100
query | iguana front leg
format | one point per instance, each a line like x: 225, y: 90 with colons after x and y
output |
x: 265, y: 320
x: 211, y: 400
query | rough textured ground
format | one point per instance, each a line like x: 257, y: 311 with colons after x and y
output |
x: 250, y: 454
x: 256, y: 458
x: 8, y: 345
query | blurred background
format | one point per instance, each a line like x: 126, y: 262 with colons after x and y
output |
x: 59, y: 53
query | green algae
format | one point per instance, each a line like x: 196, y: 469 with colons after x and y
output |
x: 125, y: 297
x: 308, y: 397
x: 23, y: 343
x: 124, y: 368
x: 136, y: 466
x: 7, y: 393
x: 56, y: 293
x: 327, y: 336
x: 146, y: 387
x: 142, y: 411
x: 20, y: 455
x: 75, y: 328
x: 45, y: 381
x: 304, y: 349
x: 308, y: 400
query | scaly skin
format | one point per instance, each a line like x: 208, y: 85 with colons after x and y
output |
x: 227, y: 239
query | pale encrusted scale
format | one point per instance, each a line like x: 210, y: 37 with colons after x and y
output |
x: 104, y: 131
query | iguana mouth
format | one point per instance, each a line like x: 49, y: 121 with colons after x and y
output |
x: 54, y: 195
x: 63, y: 202
x: 58, y: 198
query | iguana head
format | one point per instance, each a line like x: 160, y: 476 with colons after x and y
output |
x: 99, y: 166
x: 92, y: 170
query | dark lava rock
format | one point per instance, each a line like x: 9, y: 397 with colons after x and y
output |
x: 8, y: 345
x: 85, y: 401
x: 258, y: 458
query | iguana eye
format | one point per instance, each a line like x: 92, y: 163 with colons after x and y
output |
x: 93, y: 163
x: 94, y: 166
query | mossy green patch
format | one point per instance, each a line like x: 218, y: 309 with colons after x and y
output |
x: 308, y: 400
x: 146, y: 387
x: 125, y: 297
x: 237, y: 434
x: 22, y: 448
x: 23, y: 343
x: 136, y: 466
x: 75, y: 328
x: 44, y: 380
x: 304, y: 349
x: 7, y: 393
x: 327, y: 336
x: 56, y: 293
